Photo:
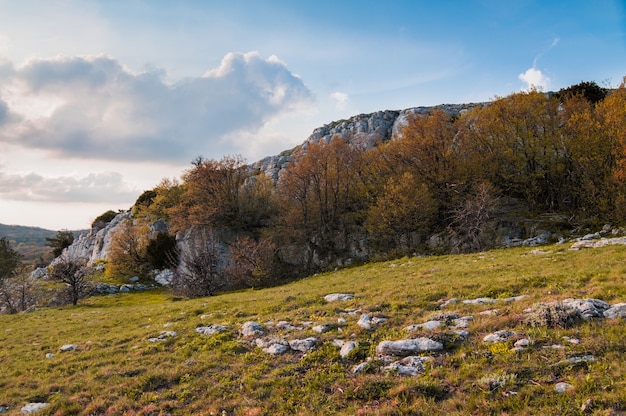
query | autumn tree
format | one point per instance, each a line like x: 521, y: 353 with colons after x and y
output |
x: 127, y: 253
x: 320, y: 191
x: 400, y: 217
x: 253, y: 263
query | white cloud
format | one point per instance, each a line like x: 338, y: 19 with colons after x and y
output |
x: 341, y: 100
x: 95, y: 187
x: 95, y: 107
x: 534, y: 78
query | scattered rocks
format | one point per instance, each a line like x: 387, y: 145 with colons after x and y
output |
x: 588, y: 308
x: 368, y: 322
x: 590, y: 241
x: 578, y: 360
x: 68, y: 347
x: 499, y: 336
x: 163, y: 336
x: 408, y: 347
x: 286, y: 326
x: 478, y: 301
x: 210, y: 330
x: 252, y: 329
x: 32, y: 408
x: 334, y: 297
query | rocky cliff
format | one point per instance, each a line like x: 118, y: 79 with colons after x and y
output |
x: 363, y: 131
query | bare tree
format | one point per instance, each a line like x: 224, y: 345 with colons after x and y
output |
x: 73, y: 273
x: 471, y: 218
x: 252, y: 262
x: 199, y: 272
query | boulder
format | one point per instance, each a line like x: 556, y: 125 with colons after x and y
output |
x: 334, y: 297
x: 32, y: 408
x: 409, y: 366
x: 276, y: 348
x: 408, y: 347
x: 347, y: 348
x: 588, y: 308
x: 303, y: 345
x: 252, y: 329
x: 499, y: 336
x: 616, y: 311
x: 210, y: 330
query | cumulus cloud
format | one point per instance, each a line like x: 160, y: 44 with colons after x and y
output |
x: 95, y: 187
x: 341, y: 99
x: 95, y: 107
x: 535, y: 79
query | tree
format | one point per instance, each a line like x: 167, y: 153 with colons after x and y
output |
x: 199, y: 272
x: 405, y: 210
x: 321, y: 196
x: 10, y: 267
x: 73, y: 273
x: 252, y: 262
x: 127, y: 253
x: 62, y: 240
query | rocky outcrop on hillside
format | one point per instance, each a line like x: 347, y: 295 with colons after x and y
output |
x: 363, y: 131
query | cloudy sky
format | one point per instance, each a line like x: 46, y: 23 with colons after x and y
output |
x: 101, y: 99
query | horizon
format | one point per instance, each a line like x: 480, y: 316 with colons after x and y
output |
x: 87, y: 123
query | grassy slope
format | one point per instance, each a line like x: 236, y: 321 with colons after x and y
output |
x: 116, y: 371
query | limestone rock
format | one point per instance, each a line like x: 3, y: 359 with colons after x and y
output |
x: 408, y: 346
x: 616, y: 311
x: 164, y: 335
x: 499, y: 336
x: 334, y: 297
x: 32, y: 408
x: 68, y: 347
x: 562, y: 387
x: 347, y: 348
x: 252, y: 329
x: 276, y: 348
x: 210, y: 330
x: 588, y: 308
x: 303, y: 345
x: 408, y: 366
x: 164, y: 277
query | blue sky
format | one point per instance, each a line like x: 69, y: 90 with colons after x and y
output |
x: 99, y: 100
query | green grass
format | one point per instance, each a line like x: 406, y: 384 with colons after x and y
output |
x: 115, y: 370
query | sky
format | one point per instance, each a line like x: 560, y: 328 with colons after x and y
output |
x: 102, y: 99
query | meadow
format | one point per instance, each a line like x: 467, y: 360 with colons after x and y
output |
x: 115, y: 370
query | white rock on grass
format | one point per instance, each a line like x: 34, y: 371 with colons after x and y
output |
x: 276, y: 348
x: 588, y: 308
x: 616, y: 311
x: 303, y: 345
x: 409, y: 366
x: 334, y: 297
x: 562, y: 387
x: 320, y: 329
x: 164, y: 335
x: 347, y: 348
x: 210, y: 330
x: 408, y: 346
x: 368, y: 322
x: 499, y: 336
x: 68, y: 347
x: 252, y: 329
x: 32, y: 408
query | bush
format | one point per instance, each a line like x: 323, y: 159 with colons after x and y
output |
x: 102, y: 221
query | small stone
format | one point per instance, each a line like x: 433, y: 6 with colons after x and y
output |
x: 276, y: 349
x: 365, y: 322
x: 448, y: 302
x: 252, y: 329
x: 334, y: 297
x: 49, y: 355
x: 499, y: 336
x: 574, y: 341
x: 68, y: 347
x: 478, y: 301
x: 321, y: 328
x: 210, y: 330
x: 341, y: 321
x: 489, y: 312
x: 409, y: 366
x: 303, y: 345
x: 31, y: 408
x: 522, y: 343
x: 133, y: 279
x: 563, y: 387
x: 358, y: 369
x: 347, y: 348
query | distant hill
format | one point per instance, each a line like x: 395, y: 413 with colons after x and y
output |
x: 29, y: 241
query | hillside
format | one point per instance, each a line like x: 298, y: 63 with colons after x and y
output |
x: 152, y: 353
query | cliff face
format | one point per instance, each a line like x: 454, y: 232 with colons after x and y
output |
x: 363, y: 131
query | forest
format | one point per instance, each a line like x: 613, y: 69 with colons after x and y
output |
x: 560, y: 153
